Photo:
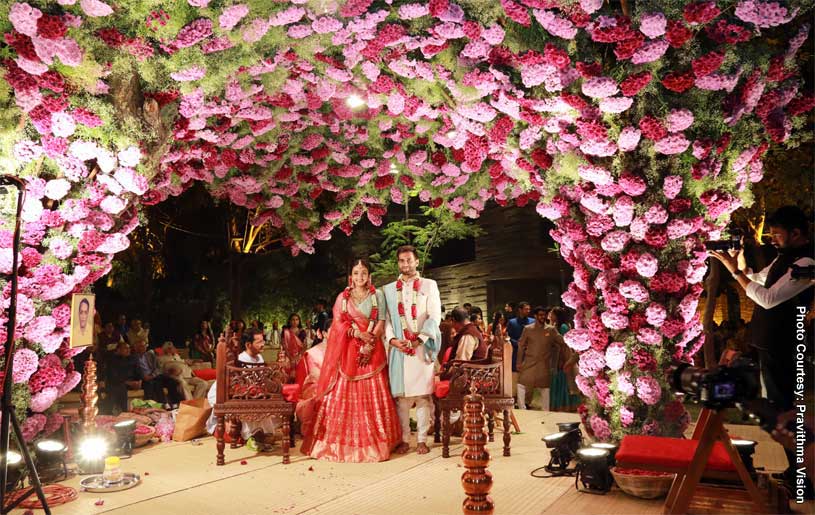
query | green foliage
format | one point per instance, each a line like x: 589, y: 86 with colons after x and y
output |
x: 437, y: 227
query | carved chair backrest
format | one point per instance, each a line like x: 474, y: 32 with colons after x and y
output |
x: 244, y: 381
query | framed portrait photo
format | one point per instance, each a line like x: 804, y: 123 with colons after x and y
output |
x: 82, y: 311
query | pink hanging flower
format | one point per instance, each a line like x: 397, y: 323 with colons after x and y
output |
x: 629, y: 139
x: 615, y: 241
x: 626, y: 416
x: 653, y: 25
x: 649, y: 336
x: 33, y: 426
x: 578, y: 339
x: 624, y: 383
x: 24, y: 18
x: 615, y: 356
x: 599, y: 87
x: 678, y: 120
x: 615, y: 321
x: 615, y: 105
x: 672, y: 186
x: 635, y: 291
x: 601, y: 429
x: 25, y: 364
x: 623, y: 211
x: 591, y: 362
x: 193, y: 33
x: 648, y: 390
x: 189, y: 74
x: 647, y: 265
x: 95, y: 8
x: 764, y: 14
x: 672, y: 144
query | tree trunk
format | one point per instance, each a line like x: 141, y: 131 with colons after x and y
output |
x: 712, y: 287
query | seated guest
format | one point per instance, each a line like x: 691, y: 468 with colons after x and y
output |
x: 252, y: 347
x: 121, y: 375
x: 179, y: 369
x: 153, y: 380
x: 109, y: 339
x: 469, y: 342
x: 255, y: 433
x: 136, y: 334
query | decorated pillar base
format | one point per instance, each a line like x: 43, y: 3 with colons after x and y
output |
x: 89, y: 398
x: 477, y: 480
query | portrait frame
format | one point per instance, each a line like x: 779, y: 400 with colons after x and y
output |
x: 82, y: 328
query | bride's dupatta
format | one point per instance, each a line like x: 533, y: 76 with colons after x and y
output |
x: 341, y: 357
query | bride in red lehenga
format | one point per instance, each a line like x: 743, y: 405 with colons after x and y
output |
x: 351, y: 416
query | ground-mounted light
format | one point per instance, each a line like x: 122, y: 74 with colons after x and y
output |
x: 593, y: 470
x: 612, y: 451
x: 91, y: 455
x: 560, y: 455
x: 14, y: 467
x: 125, y: 437
x: 50, y: 456
x: 746, y: 448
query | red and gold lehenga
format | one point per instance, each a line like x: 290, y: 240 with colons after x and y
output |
x: 293, y: 348
x: 351, y: 416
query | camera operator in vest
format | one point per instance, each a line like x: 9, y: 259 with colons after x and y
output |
x: 777, y: 296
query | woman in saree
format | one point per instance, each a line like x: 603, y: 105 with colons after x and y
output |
x: 294, y: 342
x: 351, y: 416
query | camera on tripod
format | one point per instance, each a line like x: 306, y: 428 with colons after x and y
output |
x: 798, y: 272
x: 724, y: 387
x: 731, y: 243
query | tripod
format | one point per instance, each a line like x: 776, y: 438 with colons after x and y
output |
x: 9, y: 418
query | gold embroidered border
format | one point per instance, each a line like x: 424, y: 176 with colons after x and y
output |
x: 363, y: 376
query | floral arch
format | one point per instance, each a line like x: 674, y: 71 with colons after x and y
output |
x: 637, y: 132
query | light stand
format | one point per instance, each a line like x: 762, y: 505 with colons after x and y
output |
x: 9, y: 417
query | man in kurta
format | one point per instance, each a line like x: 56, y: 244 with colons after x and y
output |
x: 541, y: 351
x: 413, y: 337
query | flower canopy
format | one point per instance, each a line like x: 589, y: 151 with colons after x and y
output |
x: 638, y: 135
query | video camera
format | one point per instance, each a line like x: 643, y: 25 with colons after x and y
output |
x: 798, y: 272
x: 734, y: 385
x: 731, y: 243
x: 724, y: 387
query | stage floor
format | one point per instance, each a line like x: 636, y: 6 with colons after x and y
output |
x: 181, y: 478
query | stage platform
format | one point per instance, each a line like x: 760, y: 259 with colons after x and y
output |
x: 181, y: 478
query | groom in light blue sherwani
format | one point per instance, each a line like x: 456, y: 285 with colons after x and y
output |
x: 414, y: 302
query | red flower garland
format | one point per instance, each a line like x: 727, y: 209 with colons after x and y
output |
x: 408, y: 334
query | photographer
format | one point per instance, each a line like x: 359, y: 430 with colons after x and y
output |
x: 777, y: 296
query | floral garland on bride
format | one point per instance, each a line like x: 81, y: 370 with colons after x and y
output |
x: 365, y: 348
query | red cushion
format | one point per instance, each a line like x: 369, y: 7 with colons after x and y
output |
x: 442, y: 389
x: 669, y: 452
x: 207, y: 374
x: 291, y: 392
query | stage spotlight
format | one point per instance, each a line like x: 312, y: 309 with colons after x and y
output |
x: 612, y: 451
x: 574, y: 435
x: 746, y: 450
x: 14, y: 463
x: 354, y: 101
x: 561, y: 453
x: 50, y: 456
x: 125, y: 437
x: 91, y: 456
x: 593, y: 470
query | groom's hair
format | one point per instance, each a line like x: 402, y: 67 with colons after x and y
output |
x: 460, y: 315
x: 407, y: 248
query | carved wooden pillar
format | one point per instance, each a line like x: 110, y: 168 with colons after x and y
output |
x: 477, y: 480
x: 89, y: 398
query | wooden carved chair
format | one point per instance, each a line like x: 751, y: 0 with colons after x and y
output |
x: 248, y: 393
x: 492, y: 380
